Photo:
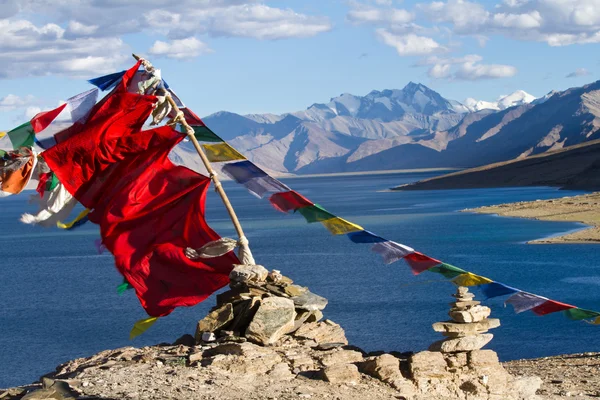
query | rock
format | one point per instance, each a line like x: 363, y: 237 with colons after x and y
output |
x: 248, y: 274
x: 243, y: 313
x: 274, y: 276
x: 385, y: 367
x: 482, y: 358
x: 281, y: 372
x: 527, y: 387
x: 456, y: 360
x: 467, y: 343
x: 315, y: 316
x: 428, y: 364
x: 329, y: 346
x: 301, y: 317
x: 208, y: 337
x: 341, y: 357
x: 464, y: 329
x: 322, y: 332
x: 342, y: 373
x: 241, y: 358
x: 195, y: 358
x: 215, y: 320
x: 310, y: 301
x: 186, y: 340
x: 274, y: 318
x: 473, y: 314
x: 55, y: 390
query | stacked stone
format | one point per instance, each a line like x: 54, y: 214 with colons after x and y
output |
x: 466, y: 331
x: 261, y: 306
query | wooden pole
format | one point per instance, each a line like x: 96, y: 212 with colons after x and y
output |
x: 179, y: 118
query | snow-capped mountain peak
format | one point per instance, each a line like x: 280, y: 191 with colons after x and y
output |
x: 516, y: 98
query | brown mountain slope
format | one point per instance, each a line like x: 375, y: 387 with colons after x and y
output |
x: 574, y: 167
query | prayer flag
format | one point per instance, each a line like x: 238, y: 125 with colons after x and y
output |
x: 107, y: 81
x: 16, y: 170
x: 469, y: 279
x: 221, y: 152
x: 253, y: 178
x: 141, y: 326
x: 524, y: 301
x: 391, y: 251
x: 365, y: 237
x: 76, y: 110
x: 54, y: 206
x: 419, y: 262
x: 315, y: 213
x: 203, y: 134
x: 578, y: 314
x: 289, y: 201
x: 447, y: 270
x: 339, y: 226
x: 496, y: 289
x: 551, y: 306
x: 24, y: 135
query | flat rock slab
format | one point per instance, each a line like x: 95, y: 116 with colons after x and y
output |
x: 473, y: 314
x: 322, y: 332
x: 342, y: 373
x: 466, y: 328
x: 467, y: 343
x: 341, y: 357
x: 214, y: 320
x: 310, y: 301
x: 273, y: 319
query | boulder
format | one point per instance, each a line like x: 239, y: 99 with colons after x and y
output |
x: 341, y: 357
x: 451, y: 328
x: 242, y: 358
x: 385, y: 367
x: 243, y: 313
x: 467, y: 343
x: 322, y: 332
x: 482, y: 358
x: 281, y: 372
x: 342, y: 373
x: 428, y: 364
x: 214, y: 320
x: 273, y: 319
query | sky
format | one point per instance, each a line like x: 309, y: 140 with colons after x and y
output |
x: 248, y: 56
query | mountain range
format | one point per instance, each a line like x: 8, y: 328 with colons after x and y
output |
x: 413, y: 127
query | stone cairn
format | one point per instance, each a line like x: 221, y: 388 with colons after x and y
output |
x: 468, y: 326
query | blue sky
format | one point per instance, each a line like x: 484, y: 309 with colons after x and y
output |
x: 249, y: 56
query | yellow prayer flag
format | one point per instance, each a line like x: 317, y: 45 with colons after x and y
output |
x: 339, y: 226
x: 221, y: 152
x: 470, y: 279
x: 596, y: 321
x: 69, y: 225
x: 2, y: 134
x: 141, y: 326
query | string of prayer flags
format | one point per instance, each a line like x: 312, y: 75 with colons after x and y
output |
x: 24, y: 134
x: 221, y: 152
x: 315, y: 213
x: 141, y: 326
x: 579, y: 314
x: 419, y: 262
x: 289, y: 201
x: 469, y: 279
x: 203, y: 134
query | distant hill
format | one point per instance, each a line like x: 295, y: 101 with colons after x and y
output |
x: 574, y: 167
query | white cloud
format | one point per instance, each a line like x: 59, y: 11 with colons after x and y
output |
x: 519, y: 21
x: 468, y: 67
x: 575, y: 74
x: 409, y: 44
x: 466, y: 17
x: 181, y: 49
x: 12, y: 102
x: 31, y: 112
x: 366, y: 14
x: 77, y: 28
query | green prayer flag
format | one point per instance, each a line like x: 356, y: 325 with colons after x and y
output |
x: 315, y: 213
x: 204, y: 134
x: 577, y: 314
x: 449, y: 271
x: 123, y: 287
x: 52, y: 183
x: 22, y: 136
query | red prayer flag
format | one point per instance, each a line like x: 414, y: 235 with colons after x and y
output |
x: 149, y: 212
x: 289, y: 201
x: 191, y: 118
x: 419, y: 262
x: 45, y: 118
x: 551, y: 306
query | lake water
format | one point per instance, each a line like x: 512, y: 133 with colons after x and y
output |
x: 59, y: 301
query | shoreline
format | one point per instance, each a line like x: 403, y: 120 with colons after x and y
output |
x: 584, y: 209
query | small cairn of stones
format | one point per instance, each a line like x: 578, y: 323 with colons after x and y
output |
x: 466, y: 331
x: 262, y: 307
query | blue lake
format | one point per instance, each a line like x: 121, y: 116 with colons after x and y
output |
x: 59, y: 298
